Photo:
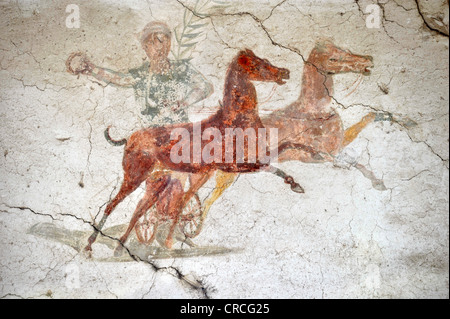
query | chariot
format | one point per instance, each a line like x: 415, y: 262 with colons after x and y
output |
x: 189, y: 222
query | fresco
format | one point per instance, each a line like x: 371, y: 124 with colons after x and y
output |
x: 189, y: 142
x: 164, y: 88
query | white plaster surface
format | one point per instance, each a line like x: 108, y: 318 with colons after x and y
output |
x: 341, y: 239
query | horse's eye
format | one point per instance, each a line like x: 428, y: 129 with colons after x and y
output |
x: 333, y: 60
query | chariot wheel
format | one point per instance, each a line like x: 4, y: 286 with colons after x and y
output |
x: 191, y: 218
x: 146, y: 226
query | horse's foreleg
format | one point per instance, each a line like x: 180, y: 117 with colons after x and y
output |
x: 223, y: 181
x: 295, y: 187
x: 352, y: 132
x: 287, y: 178
x: 285, y: 146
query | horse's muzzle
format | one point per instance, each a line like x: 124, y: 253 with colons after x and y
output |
x: 369, y: 65
x: 284, y: 75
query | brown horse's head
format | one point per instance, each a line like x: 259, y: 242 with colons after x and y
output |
x: 331, y: 59
x: 257, y: 69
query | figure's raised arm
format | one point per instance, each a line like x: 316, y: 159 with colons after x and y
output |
x: 78, y: 63
x: 201, y: 88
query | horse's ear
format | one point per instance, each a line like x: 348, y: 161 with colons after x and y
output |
x: 249, y: 52
x: 323, y: 43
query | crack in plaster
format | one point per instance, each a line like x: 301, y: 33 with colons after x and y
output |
x: 195, y: 284
x: 198, y: 285
x: 298, y: 52
x: 426, y: 22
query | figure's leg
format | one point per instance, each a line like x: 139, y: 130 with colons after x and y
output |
x: 197, y: 181
x: 166, y: 197
x: 171, y: 198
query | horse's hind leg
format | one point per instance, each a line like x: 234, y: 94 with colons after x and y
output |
x: 377, y: 184
x: 126, y: 189
x: 154, y: 188
x: 136, y: 170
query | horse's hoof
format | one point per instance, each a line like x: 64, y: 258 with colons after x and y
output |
x: 294, y: 186
x: 168, y: 244
x: 318, y: 157
x: 118, y: 252
x: 87, y: 252
x: 383, y: 116
x: 297, y: 188
x: 379, y: 185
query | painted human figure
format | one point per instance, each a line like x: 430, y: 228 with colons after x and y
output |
x: 164, y: 88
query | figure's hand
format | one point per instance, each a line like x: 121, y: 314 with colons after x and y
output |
x: 180, y: 105
x: 78, y: 63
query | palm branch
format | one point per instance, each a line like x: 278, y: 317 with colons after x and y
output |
x: 189, y: 33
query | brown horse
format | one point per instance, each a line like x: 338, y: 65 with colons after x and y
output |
x: 311, y: 121
x: 148, y: 154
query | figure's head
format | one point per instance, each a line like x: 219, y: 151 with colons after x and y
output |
x: 156, y: 40
x: 258, y: 69
x: 331, y: 59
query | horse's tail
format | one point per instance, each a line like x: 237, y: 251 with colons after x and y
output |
x: 114, y: 142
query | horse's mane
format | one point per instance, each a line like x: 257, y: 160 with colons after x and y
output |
x: 322, y: 43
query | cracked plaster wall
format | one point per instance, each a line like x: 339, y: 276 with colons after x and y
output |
x: 342, y: 238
